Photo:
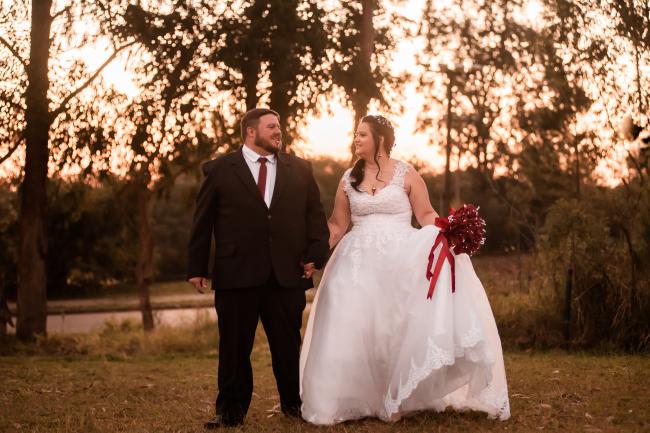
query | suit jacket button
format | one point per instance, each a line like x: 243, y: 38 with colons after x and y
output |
x: 269, y: 216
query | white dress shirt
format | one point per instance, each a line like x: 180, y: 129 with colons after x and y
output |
x: 252, y: 158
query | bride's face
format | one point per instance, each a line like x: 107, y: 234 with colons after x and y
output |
x: 364, y: 143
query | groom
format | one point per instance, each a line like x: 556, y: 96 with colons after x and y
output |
x: 263, y: 209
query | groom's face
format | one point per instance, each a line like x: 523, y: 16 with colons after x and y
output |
x: 268, y: 134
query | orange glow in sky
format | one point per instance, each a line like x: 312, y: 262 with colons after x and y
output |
x: 330, y: 134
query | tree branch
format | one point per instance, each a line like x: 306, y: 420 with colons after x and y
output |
x: 61, y: 108
x: 12, y: 104
x: 14, y: 52
x: 6, y: 156
x: 61, y: 12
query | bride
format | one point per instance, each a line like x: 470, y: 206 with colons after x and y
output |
x: 375, y: 346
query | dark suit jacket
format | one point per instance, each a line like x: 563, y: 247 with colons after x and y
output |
x: 251, y: 239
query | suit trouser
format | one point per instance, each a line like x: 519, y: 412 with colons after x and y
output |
x: 238, y: 313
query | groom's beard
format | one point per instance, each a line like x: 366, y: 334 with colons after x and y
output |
x: 267, y: 144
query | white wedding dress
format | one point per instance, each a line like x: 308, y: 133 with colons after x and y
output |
x: 375, y: 346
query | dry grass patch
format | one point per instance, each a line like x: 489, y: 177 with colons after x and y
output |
x: 553, y: 392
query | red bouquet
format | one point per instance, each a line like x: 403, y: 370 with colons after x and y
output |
x: 463, y: 231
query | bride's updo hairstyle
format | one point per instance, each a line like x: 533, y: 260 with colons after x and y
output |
x: 379, y: 127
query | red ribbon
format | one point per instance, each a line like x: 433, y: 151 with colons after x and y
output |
x: 445, y: 253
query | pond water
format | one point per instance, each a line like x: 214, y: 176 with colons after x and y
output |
x: 86, y: 322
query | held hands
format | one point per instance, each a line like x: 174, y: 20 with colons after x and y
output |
x: 308, y: 269
x: 199, y: 283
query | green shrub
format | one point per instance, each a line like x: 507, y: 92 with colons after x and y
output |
x: 600, y: 243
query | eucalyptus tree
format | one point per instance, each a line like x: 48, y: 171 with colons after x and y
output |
x: 362, y: 50
x: 164, y: 129
x: 610, y: 41
x: 478, y: 61
x: 603, y: 48
x: 274, y: 53
x: 37, y: 90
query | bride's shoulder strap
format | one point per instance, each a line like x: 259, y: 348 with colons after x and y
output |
x: 347, y: 182
x: 401, y: 168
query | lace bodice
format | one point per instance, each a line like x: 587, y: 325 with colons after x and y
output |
x: 389, y: 205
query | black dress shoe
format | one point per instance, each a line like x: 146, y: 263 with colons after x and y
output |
x: 220, y: 421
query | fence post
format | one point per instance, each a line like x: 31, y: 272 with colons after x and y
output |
x: 567, y: 306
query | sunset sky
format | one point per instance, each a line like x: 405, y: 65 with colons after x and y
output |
x: 330, y: 134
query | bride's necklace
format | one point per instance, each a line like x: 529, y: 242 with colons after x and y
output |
x: 373, y: 187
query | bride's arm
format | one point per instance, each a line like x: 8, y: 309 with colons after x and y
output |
x: 340, y: 220
x: 419, y: 198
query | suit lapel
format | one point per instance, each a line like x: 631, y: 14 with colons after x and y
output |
x: 244, y: 173
x: 281, y: 174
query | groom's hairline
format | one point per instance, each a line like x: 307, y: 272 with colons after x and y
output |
x: 251, y: 118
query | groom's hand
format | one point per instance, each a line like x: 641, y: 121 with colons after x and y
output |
x: 308, y: 269
x: 199, y: 283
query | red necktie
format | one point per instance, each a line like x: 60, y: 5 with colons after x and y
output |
x: 261, y: 180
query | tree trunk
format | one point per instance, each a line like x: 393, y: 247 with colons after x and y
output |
x: 367, y: 35
x: 281, y: 92
x: 639, y: 87
x: 144, y: 265
x: 280, y: 102
x: 576, y: 149
x: 361, y: 100
x: 5, y: 313
x: 457, y: 201
x: 32, y: 296
x: 251, y: 77
x: 446, y: 192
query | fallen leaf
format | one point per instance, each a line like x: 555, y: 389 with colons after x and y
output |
x: 545, y: 406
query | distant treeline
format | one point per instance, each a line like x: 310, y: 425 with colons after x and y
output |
x: 596, y: 245
x: 92, y: 235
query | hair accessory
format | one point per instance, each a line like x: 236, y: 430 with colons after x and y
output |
x: 382, y: 120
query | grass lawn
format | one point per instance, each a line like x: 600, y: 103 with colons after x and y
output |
x: 550, y: 391
x: 119, y: 380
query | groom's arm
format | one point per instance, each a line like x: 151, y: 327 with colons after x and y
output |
x: 317, y: 231
x: 202, y: 226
